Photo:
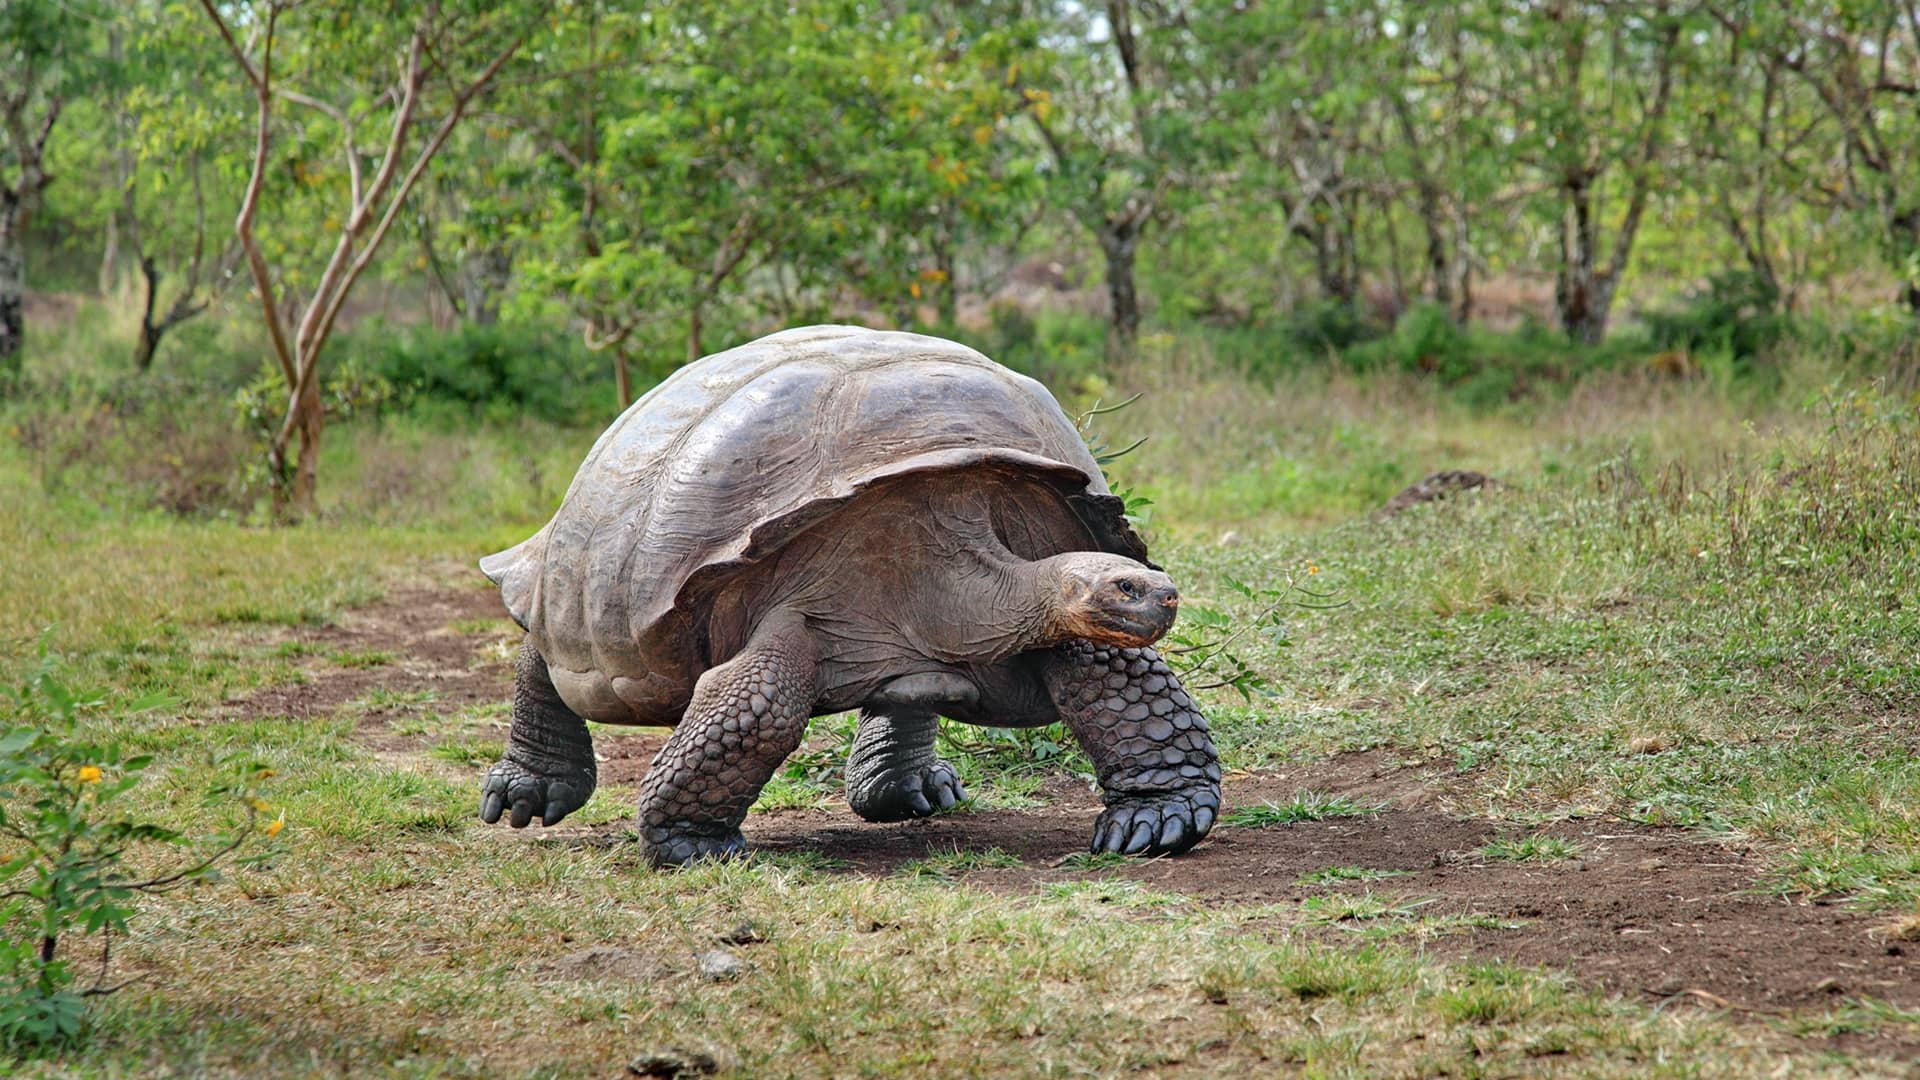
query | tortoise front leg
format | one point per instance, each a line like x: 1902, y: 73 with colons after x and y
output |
x: 548, y: 769
x: 1158, y: 772
x: 746, y: 716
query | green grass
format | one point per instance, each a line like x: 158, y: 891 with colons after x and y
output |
x: 468, y: 752
x: 1359, y: 907
x: 1528, y: 849
x: 1304, y: 806
x: 364, y: 658
x: 956, y: 863
x: 1561, y: 647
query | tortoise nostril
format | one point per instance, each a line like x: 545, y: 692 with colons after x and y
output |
x: 1168, y: 598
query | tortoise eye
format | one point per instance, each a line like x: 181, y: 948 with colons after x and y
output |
x: 1128, y: 589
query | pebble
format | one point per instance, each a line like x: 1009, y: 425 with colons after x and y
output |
x: 720, y: 965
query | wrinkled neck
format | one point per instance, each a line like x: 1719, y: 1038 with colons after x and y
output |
x: 986, y: 603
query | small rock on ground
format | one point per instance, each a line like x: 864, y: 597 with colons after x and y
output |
x: 720, y: 965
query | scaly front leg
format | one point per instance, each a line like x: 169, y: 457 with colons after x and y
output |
x: 1157, y: 768
x: 746, y: 716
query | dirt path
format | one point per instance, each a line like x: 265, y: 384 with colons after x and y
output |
x: 1651, y: 914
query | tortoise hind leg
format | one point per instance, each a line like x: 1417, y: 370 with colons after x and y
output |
x: 548, y: 768
x: 746, y: 716
x: 893, y: 773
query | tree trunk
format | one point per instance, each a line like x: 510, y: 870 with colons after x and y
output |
x: 622, y: 380
x: 312, y: 419
x: 484, y: 278
x: 1904, y: 230
x: 1581, y: 294
x: 949, y: 284
x: 1118, y: 245
x: 694, y: 349
x: 13, y: 295
x: 1463, y: 266
x: 1439, y: 269
x: 149, y: 342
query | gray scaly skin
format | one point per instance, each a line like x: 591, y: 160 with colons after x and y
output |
x: 548, y: 768
x: 1151, y: 752
x: 747, y: 715
x: 892, y: 771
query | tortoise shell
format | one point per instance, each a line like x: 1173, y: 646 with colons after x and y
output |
x: 735, y: 454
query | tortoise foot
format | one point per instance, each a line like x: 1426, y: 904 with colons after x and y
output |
x: 1161, y: 823
x: 916, y: 792
x: 678, y: 845
x: 526, y: 793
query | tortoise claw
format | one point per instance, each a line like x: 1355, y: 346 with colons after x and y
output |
x: 669, y: 845
x: 522, y: 793
x: 911, y: 793
x: 1164, y: 823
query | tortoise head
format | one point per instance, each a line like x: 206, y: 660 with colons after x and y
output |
x: 1109, y: 599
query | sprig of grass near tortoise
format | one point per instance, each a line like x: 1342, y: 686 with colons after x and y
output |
x: 1201, y: 652
x: 1529, y: 849
x: 1360, y: 907
x: 1305, y: 806
x: 955, y: 863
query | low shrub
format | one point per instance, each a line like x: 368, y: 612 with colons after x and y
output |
x: 68, y: 853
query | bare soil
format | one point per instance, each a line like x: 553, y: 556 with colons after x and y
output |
x: 451, y: 641
x: 1652, y: 914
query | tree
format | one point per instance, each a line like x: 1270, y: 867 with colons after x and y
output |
x: 418, y: 75
x: 162, y: 154
x: 1860, y: 61
x: 741, y: 159
x: 1587, y: 95
x: 1106, y: 112
x: 43, y: 64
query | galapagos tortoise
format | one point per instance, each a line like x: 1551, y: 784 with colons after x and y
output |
x: 834, y: 518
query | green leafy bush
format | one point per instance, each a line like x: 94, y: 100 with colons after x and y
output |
x: 1736, y: 314
x: 499, y: 372
x: 1329, y: 326
x: 66, y: 839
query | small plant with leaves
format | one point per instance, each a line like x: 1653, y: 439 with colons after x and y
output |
x: 1529, y: 849
x: 1203, y: 648
x: 67, y: 838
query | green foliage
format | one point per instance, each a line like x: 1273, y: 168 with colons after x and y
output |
x: 1529, y: 849
x: 1736, y: 315
x: 497, y: 373
x: 69, y: 848
x: 1203, y: 646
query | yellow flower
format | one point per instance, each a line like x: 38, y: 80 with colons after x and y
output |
x: 1311, y: 569
x: 261, y: 805
x: 89, y: 774
x: 274, y: 827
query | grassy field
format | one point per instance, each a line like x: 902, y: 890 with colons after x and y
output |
x: 1685, y: 615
